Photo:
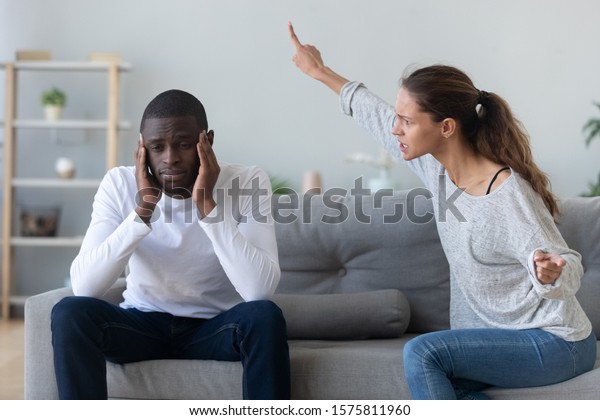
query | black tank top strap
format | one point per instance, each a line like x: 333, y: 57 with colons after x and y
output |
x: 494, y: 179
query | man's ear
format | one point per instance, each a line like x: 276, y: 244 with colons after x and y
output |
x: 448, y: 127
x: 211, y: 136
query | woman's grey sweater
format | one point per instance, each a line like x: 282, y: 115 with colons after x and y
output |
x: 489, y: 241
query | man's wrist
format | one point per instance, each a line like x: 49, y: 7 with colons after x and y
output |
x: 144, y: 214
x: 206, y: 207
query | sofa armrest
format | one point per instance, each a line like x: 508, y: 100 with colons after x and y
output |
x: 40, y: 380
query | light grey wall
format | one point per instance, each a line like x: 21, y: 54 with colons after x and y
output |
x: 541, y: 55
x: 235, y: 55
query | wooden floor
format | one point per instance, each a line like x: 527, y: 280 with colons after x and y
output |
x: 11, y: 359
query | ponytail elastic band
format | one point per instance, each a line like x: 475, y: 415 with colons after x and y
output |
x: 483, y: 95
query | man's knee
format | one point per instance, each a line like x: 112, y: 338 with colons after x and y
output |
x: 264, y: 313
x: 265, y: 309
x: 66, y: 308
x: 71, y: 310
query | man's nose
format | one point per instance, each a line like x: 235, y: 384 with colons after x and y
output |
x: 171, y: 155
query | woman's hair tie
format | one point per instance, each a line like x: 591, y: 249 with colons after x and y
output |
x: 483, y: 95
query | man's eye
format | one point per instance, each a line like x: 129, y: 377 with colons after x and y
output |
x: 185, y: 145
x: 156, y: 148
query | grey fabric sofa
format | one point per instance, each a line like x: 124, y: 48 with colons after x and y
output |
x: 360, y: 277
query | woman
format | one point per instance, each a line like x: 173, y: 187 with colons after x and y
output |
x: 515, y: 320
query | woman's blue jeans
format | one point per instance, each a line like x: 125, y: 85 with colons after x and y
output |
x: 459, y: 364
x: 86, y: 332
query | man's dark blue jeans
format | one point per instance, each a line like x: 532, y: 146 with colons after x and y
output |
x: 86, y: 332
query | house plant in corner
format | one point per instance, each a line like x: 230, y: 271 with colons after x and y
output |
x: 592, y: 127
x: 53, y: 101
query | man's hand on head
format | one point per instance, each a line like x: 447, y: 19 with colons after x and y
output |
x: 149, y: 189
x: 208, y: 173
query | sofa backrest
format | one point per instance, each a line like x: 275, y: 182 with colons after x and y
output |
x: 579, y: 224
x: 354, y: 244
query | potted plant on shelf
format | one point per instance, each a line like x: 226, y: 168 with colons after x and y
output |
x: 593, y: 131
x: 53, y: 101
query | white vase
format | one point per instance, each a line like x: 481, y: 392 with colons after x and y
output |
x: 52, y: 112
x: 64, y: 167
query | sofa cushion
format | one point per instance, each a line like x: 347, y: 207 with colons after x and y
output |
x: 345, y: 316
x: 352, y: 244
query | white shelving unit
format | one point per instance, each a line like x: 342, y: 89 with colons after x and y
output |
x: 69, y: 124
x: 12, y: 124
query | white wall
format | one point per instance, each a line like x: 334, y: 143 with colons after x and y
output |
x: 235, y: 55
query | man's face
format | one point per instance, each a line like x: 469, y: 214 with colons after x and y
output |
x: 171, y: 152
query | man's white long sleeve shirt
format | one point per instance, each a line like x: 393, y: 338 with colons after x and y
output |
x: 181, y: 264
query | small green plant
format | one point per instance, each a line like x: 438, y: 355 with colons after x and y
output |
x: 592, y: 127
x: 55, y: 97
x: 594, y: 190
x: 280, y: 186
